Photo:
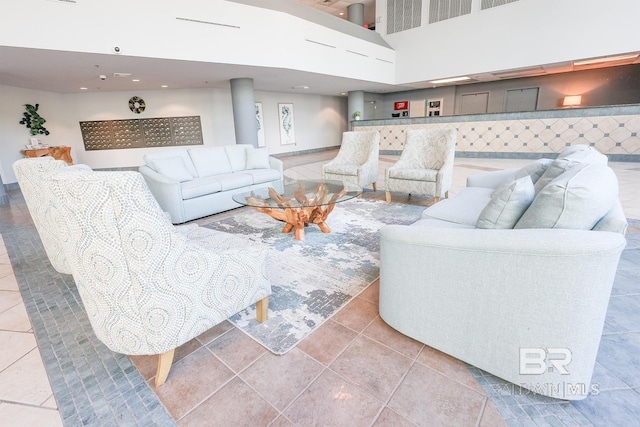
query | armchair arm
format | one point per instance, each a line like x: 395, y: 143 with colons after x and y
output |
x: 481, y: 295
x: 166, y: 191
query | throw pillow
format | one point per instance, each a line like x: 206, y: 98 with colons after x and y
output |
x: 507, y: 204
x: 237, y: 155
x: 534, y: 169
x: 258, y: 158
x: 577, y: 199
x: 568, y: 158
x: 172, y: 167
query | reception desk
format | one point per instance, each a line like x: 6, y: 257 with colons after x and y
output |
x: 614, y: 131
x: 59, y: 153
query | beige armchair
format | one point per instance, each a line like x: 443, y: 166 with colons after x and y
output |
x: 357, y: 160
x: 147, y: 287
x: 425, y: 166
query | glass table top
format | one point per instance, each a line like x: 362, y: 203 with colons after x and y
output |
x: 300, y: 193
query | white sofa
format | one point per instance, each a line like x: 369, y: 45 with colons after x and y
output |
x: 191, y: 183
x: 508, y: 275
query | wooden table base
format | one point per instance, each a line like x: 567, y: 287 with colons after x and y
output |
x: 300, y: 212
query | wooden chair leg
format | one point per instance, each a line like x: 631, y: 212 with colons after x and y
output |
x: 436, y: 199
x: 374, y: 187
x: 388, y: 196
x: 164, y: 366
x: 262, y: 309
x: 446, y: 194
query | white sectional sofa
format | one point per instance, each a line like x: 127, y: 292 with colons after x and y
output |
x: 191, y: 183
x: 513, y: 274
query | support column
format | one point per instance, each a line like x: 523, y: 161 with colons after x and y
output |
x: 355, y: 103
x: 244, y: 111
x: 355, y: 13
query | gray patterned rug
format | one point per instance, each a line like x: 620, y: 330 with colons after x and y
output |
x: 312, y: 279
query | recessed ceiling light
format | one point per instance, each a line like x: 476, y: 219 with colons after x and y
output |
x: 165, y: 86
x: 135, y: 80
x: 83, y: 88
x: 300, y: 87
x: 341, y: 13
x: 343, y: 93
x: 450, y: 80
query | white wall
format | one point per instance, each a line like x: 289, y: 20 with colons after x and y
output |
x: 318, y: 120
x: 520, y: 34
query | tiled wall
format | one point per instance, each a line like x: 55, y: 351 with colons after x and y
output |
x: 614, y: 131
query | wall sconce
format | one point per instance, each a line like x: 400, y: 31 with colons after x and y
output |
x: 572, y: 101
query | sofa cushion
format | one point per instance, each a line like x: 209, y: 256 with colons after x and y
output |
x: 201, y: 187
x: 231, y: 181
x: 173, y: 167
x: 257, y: 158
x: 534, y: 169
x: 438, y: 223
x: 577, y: 199
x: 570, y: 157
x: 237, y: 155
x: 464, y: 208
x: 210, y: 160
x: 262, y: 175
x: 149, y: 159
x: 341, y: 169
x: 428, y: 175
x: 507, y: 204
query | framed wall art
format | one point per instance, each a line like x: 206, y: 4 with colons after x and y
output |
x: 260, y: 125
x: 287, y: 131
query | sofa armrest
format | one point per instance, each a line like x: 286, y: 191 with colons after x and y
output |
x: 166, y: 191
x: 276, y: 164
x: 482, y: 295
x: 491, y: 179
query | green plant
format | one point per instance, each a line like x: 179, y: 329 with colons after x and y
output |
x: 356, y: 114
x: 33, y: 121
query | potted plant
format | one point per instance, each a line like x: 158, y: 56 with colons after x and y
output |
x: 356, y: 115
x: 33, y: 121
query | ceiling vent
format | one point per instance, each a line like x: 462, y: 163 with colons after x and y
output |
x: 488, y: 4
x: 440, y: 10
x: 121, y: 74
x: 522, y: 72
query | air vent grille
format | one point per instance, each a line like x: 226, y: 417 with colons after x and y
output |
x: 403, y: 15
x: 440, y: 10
x: 488, y: 4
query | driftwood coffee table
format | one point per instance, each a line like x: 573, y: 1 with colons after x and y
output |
x: 303, y: 203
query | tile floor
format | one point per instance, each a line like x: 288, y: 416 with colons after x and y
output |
x: 354, y: 370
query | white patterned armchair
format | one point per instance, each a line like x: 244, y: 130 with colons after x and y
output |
x: 146, y: 286
x: 40, y: 203
x: 426, y: 164
x: 357, y: 160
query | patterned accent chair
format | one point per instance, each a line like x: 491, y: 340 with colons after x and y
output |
x: 40, y: 202
x: 425, y: 166
x: 146, y: 286
x: 357, y: 160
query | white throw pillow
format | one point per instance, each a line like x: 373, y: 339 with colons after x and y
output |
x: 534, y: 169
x: 571, y: 156
x: 258, y: 158
x: 577, y: 199
x: 237, y: 155
x: 172, y: 167
x: 464, y: 208
x: 508, y: 203
x: 210, y: 161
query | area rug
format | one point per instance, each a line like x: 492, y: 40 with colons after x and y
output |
x: 313, y: 278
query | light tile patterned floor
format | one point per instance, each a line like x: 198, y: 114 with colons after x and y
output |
x: 354, y: 370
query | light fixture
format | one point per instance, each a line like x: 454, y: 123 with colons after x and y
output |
x: 450, y: 80
x: 571, y: 101
x: 300, y: 87
x: 83, y: 88
x: 603, y: 59
x: 164, y: 86
x: 135, y: 80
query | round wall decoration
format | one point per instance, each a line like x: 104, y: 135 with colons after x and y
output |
x: 137, y: 105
